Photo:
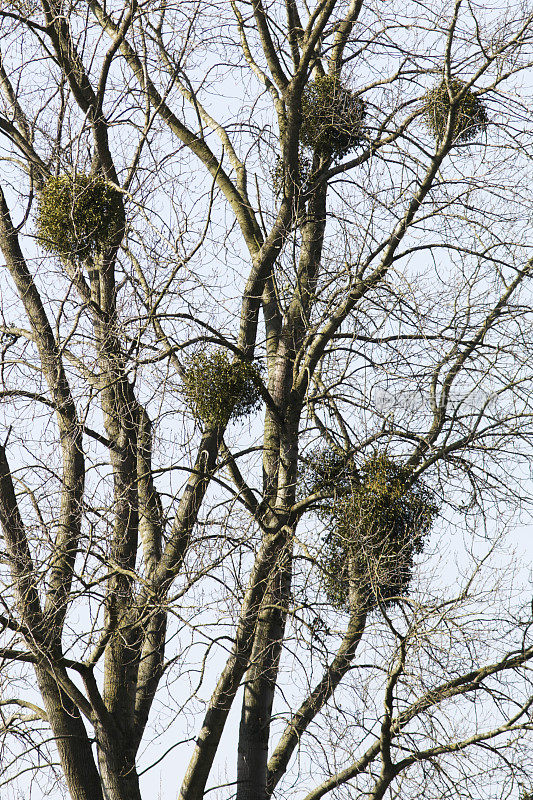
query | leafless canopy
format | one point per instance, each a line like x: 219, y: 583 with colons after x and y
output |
x: 265, y: 344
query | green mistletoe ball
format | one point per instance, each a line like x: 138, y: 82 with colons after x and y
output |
x: 78, y: 215
x: 470, y: 114
x: 218, y: 389
x: 377, y: 522
x: 332, y: 117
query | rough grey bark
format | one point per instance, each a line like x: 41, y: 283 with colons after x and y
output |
x: 260, y: 686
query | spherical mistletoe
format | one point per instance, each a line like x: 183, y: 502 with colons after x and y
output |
x: 78, y: 215
x: 332, y: 117
x: 219, y: 389
x: 377, y: 521
x: 470, y: 114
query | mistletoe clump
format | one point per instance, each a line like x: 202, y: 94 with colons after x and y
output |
x: 470, y: 113
x: 330, y: 473
x: 378, y: 520
x: 332, y: 117
x: 219, y: 389
x: 78, y: 215
x: 278, y: 173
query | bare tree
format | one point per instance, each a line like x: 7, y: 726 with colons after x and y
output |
x: 266, y: 343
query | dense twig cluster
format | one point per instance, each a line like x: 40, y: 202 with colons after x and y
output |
x: 301, y: 177
x: 469, y: 115
x: 218, y: 389
x: 378, y: 519
x: 332, y: 117
x: 78, y: 215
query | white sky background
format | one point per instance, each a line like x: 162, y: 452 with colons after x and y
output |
x: 164, y: 779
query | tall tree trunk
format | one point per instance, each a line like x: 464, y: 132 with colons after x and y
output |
x: 116, y: 757
x: 71, y: 740
x: 259, y: 689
